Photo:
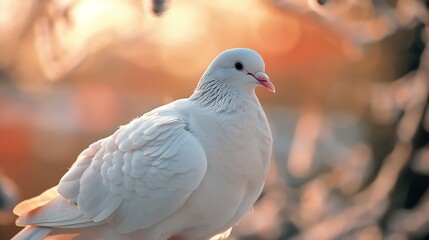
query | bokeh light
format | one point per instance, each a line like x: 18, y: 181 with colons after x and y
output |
x: 350, y: 117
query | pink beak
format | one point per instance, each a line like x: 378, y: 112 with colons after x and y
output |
x: 264, y: 80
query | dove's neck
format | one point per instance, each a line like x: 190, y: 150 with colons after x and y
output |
x: 212, y: 92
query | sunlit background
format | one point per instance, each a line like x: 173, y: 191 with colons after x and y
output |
x: 350, y: 117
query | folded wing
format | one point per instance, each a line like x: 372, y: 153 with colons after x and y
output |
x: 134, y: 178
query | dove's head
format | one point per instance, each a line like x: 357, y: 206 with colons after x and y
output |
x: 241, y: 68
x: 231, y: 79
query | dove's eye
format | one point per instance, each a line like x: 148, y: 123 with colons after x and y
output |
x: 239, y: 66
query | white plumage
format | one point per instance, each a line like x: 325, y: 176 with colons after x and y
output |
x: 189, y: 169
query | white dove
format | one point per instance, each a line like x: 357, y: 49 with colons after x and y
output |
x: 186, y: 170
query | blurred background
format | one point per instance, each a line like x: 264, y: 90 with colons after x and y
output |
x: 350, y: 117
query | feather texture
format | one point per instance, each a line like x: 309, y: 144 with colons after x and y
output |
x: 32, y: 233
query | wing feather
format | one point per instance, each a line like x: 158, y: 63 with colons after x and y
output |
x: 132, y: 179
x: 32, y: 203
x: 141, y: 174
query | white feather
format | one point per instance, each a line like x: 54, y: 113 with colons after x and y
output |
x: 32, y: 233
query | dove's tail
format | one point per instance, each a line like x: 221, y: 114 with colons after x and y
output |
x: 32, y: 233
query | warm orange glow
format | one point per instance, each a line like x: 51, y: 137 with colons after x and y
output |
x: 183, y: 23
x: 69, y: 236
x: 91, y: 18
x: 267, y: 33
x: 209, y: 27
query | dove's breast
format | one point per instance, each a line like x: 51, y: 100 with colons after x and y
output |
x: 238, y: 149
